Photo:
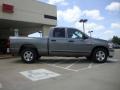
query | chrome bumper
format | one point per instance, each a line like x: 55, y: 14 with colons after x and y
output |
x: 111, y: 52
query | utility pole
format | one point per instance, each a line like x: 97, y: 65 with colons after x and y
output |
x: 83, y: 21
x: 90, y: 33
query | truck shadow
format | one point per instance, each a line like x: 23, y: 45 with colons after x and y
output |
x: 69, y: 61
x: 62, y: 61
x: 55, y: 61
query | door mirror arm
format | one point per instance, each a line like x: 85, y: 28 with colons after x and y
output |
x: 84, y: 37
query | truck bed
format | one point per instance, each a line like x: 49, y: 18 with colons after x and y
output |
x: 40, y: 43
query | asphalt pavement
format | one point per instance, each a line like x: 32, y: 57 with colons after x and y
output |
x: 60, y: 73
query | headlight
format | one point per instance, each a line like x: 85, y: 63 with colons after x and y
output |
x: 110, y: 45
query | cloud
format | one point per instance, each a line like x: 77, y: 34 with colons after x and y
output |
x: 89, y: 26
x: 114, y: 6
x: 55, y: 1
x: 108, y: 31
x: 94, y: 14
x: 115, y: 25
x: 69, y: 15
x: 108, y: 34
x: 73, y: 14
x: 62, y: 2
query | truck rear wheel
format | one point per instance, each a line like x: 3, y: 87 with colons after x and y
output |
x: 29, y: 55
x: 99, y: 55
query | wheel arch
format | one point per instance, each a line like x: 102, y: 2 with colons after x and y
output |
x: 100, y: 47
x: 30, y: 46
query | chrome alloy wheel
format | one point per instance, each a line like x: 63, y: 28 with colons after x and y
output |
x: 100, y: 55
x: 28, y: 56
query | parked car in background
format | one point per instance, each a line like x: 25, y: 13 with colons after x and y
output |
x: 116, y: 46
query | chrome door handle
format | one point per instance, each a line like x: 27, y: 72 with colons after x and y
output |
x: 53, y: 40
x: 71, y: 41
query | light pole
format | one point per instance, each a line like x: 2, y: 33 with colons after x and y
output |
x: 90, y: 33
x: 83, y: 21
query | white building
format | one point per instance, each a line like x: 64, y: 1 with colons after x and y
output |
x: 26, y: 17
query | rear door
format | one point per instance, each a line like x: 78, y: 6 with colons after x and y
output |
x: 58, y: 43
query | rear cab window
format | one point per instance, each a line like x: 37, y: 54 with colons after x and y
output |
x: 59, y: 32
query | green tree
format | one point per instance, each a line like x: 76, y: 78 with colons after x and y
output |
x: 116, y: 40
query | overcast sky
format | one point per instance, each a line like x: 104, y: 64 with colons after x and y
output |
x: 103, y: 15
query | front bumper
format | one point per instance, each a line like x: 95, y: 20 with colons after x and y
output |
x: 111, y: 52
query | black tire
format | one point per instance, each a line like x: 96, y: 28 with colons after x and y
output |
x: 29, y: 55
x: 99, y: 55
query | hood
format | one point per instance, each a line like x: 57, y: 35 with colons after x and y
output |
x: 99, y: 41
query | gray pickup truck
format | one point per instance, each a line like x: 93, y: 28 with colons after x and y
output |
x: 61, y: 41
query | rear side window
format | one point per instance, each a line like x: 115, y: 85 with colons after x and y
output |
x: 59, y: 33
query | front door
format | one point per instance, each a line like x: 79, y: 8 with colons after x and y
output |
x: 77, y: 46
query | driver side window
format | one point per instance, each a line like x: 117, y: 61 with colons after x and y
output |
x: 74, y: 33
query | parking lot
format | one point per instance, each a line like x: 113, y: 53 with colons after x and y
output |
x: 67, y: 73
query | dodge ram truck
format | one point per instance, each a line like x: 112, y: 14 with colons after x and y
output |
x: 61, y: 41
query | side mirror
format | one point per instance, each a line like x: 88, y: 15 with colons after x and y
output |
x: 84, y: 36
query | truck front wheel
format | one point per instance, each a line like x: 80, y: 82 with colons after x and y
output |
x: 28, y: 55
x: 100, y: 55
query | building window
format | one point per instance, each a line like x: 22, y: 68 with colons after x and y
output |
x: 50, y: 17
